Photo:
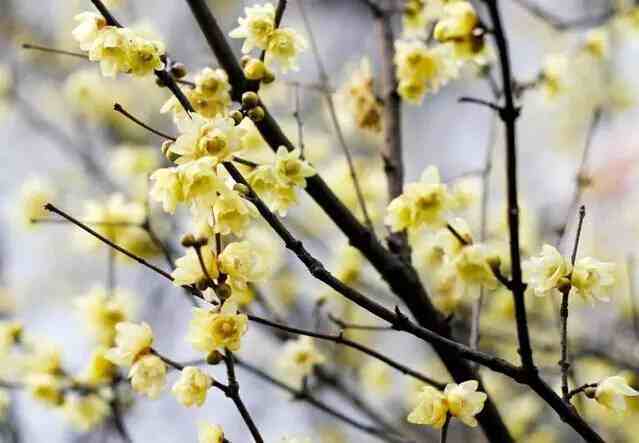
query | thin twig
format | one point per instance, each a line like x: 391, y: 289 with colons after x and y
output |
x: 339, y: 339
x: 346, y: 325
x: 54, y: 50
x: 234, y: 393
x: 118, y: 108
x: 323, y: 80
x: 563, y: 313
x: 444, y: 433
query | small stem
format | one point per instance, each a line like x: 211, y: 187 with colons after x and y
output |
x: 345, y: 325
x: 563, y: 312
x: 581, y: 389
x: 444, y: 434
x: 118, y: 108
x: 54, y: 50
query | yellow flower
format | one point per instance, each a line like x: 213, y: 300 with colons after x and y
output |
x: 144, y: 56
x: 134, y: 161
x: 85, y: 412
x: 200, y: 184
x: 192, y: 387
x: 100, y: 370
x: 458, y: 22
x: 10, y: 332
x: 546, y: 272
x: 45, y: 388
x: 556, y: 69
x: 376, y: 377
x: 472, y: 267
x: 299, y: 357
x: 242, y: 263
x: 188, y: 269
x: 232, y: 213
x: 218, y: 137
x: 102, y: 311
x: 592, y: 279
x: 256, y: 28
x: 431, y: 409
x: 211, y: 96
x: 597, y: 43
x: 277, y: 196
x: 167, y: 188
x: 87, y: 30
x: 131, y: 341
x: 421, y: 204
x: 210, y: 433
x: 612, y: 392
x: 110, y: 48
x: 290, y: 169
x: 34, y: 194
x: 210, y: 331
x: 464, y: 402
x: 148, y: 375
x: 358, y: 93
x: 44, y: 357
x: 421, y: 69
x: 284, y: 46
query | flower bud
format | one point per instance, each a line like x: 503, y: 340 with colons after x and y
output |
x: 256, y: 114
x: 223, y: 291
x: 241, y: 188
x: 269, y: 77
x: 254, y: 69
x: 244, y: 60
x: 188, y: 240
x: 250, y: 100
x: 237, y: 116
x: 178, y: 70
x: 214, y: 358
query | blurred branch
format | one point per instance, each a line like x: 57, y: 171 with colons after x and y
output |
x: 325, y: 88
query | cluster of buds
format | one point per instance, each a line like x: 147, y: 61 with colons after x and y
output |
x: 255, y: 69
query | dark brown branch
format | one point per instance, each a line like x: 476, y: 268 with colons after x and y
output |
x: 346, y: 325
x: 339, y: 339
x: 564, y: 365
x: 581, y: 389
x: 233, y: 392
x: 509, y: 115
x: 391, y: 149
x: 481, y: 102
x: 444, y: 433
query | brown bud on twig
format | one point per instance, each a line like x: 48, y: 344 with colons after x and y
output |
x: 214, y: 358
x: 250, y: 100
x: 256, y: 114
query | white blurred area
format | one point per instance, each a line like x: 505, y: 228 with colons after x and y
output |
x: 44, y: 270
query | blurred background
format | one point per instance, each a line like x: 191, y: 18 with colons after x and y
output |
x: 58, y: 132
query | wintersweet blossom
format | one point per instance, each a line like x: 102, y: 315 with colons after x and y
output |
x: 99, y: 370
x: 102, y: 311
x: 547, y: 272
x: 188, y: 269
x: 45, y: 388
x: 458, y: 22
x: 85, y: 412
x: 612, y: 392
x: 592, y: 279
x: 148, y: 375
x: 278, y: 197
x: 299, y: 357
x: 131, y: 341
x: 421, y: 204
x: 431, y: 409
x: 242, y: 263
x: 210, y: 331
x: 472, y: 267
x: 210, y: 433
x: 211, y: 96
x: 283, y: 48
x: 192, y: 387
x: 34, y: 194
x: 290, y: 169
x: 166, y: 188
x: 256, y: 28
x: 422, y: 69
x: 232, y: 213
x: 87, y: 30
x: 218, y: 137
x: 464, y: 402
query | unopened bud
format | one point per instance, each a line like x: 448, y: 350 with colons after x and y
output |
x: 223, y: 291
x: 188, y: 240
x: 254, y: 69
x: 237, y: 117
x: 214, y: 358
x: 241, y: 188
x: 203, y: 284
x: 244, y: 60
x: 256, y: 114
x: 178, y: 70
x: 250, y: 100
x: 269, y: 77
